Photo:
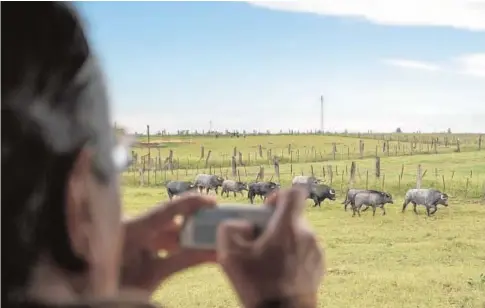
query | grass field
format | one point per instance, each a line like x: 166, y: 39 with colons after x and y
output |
x: 297, y: 148
x: 398, y: 260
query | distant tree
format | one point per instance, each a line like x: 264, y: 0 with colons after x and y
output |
x: 449, y: 130
x: 398, y: 130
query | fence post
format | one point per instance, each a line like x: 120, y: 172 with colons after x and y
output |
x: 276, y: 164
x: 367, y: 179
x: 233, y: 166
x: 330, y: 173
x: 378, y: 167
x: 418, y: 177
x: 352, y: 174
x: 207, y: 159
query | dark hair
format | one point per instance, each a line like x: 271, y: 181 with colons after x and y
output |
x: 53, y: 104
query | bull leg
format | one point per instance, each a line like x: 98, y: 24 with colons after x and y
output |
x: 427, y: 211
x: 251, y: 197
x: 170, y: 195
x: 346, y: 204
x: 234, y: 194
x: 404, y: 205
x: 434, y: 210
x: 414, y: 208
x: 315, y: 200
x: 365, y: 208
x: 374, y: 210
x: 355, y: 209
x: 207, y: 190
x: 358, y: 210
x: 383, y: 211
x: 217, y: 191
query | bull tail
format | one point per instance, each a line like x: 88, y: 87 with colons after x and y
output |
x: 346, y: 196
x: 164, y: 183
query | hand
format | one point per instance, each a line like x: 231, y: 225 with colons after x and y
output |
x: 143, y: 269
x: 284, y: 262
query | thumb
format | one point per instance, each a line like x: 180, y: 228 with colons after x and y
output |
x: 234, y: 237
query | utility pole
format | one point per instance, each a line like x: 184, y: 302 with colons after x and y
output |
x: 321, y: 114
x: 148, y: 141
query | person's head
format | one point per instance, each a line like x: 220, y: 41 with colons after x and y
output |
x: 60, y: 194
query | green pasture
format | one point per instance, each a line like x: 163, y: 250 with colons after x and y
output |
x: 397, y: 260
x: 459, y: 174
x: 291, y: 148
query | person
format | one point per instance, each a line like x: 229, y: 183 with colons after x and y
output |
x: 65, y: 242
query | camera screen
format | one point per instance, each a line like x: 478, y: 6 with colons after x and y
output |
x: 205, y: 234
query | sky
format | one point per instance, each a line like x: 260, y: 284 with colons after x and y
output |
x: 381, y: 64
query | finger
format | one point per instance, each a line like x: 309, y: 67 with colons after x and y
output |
x: 184, y: 206
x: 164, y: 267
x: 283, y: 221
x: 166, y: 238
x: 289, y: 206
x: 272, y: 199
x: 233, y: 237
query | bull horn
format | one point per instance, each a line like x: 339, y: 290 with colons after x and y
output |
x: 332, y: 192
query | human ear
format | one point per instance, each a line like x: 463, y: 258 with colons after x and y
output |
x: 78, y: 213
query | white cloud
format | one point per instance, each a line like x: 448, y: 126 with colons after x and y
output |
x: 463, y: 14
x: 468, y: 64
x: 472, y: 64
x: 412, y: 64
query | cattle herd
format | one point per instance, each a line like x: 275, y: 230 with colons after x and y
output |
x: 358, y: 199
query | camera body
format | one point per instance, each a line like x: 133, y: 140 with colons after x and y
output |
x: 199, y: 231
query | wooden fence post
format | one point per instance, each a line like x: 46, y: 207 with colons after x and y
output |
x: 361, y: 149
x: 419, y: 177
x: 207, y: 159
x: 330, y: 173
x: 261, y: 173
x: 276, y: 164
x: 378, y: 167
x: 233, y: 166
x: 352, y: 175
